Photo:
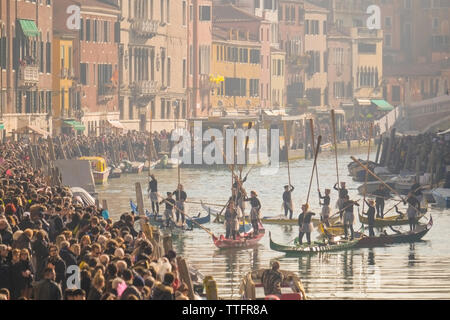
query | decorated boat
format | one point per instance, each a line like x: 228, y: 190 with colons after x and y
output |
x: 243, y: 240
x: 314, y: 247
x: 252, y: 288
x: 194, y: 221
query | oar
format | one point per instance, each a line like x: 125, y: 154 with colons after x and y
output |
x: 333, y: 122
x: 398, y: 202
x: 311, y: 125
x: 379, y: 179
x: 209, y: 204
x: 186, y: 215
x: 367, y: 176
x: 343, y: 209
x: 319, y: 139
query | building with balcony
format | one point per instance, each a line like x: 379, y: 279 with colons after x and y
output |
x: 237, y: 61
x: 25, y: 64
x: 277, y: 77
x: 153, y: 64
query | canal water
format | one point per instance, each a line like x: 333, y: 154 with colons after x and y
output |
x: 404, y: 271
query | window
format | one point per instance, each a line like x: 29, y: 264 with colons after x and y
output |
x: 324, y: 27
x: 168, y: 71
x: 313, y: 95
x: 339, y: 89
x: 191, y: 60
x: 163, y: 109
x: 183, y: 80
x: 95, y: 31
x: 314, y: 62
x: 388, y: 22
x: 168, y: 11
x: 106, y: 31
x: 254, y: 87
x: 48, y: 56
x: 205, y: 13
x: 117, y: 32
x: 104, y: 76
x: 235, y: 87
x: 243, y: 55
x: 81, y: 29
x: 184, y: 13
x: 84, y: 73
x: 88, y: 30
x: 255, y: 56
x: 162, y: 10
x: 387, y: 40
x: 41, y: 56
x: 3, y: 51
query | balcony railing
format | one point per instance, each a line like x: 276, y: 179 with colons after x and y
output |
x: 145, y: 28
x: 145, y: 88
x: 28, y: 75
x: 106, y: 93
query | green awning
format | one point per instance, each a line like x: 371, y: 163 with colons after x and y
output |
x: 2, y: 126
x: 383, y: 105
x: 76, y: 125
x: 29, y: 28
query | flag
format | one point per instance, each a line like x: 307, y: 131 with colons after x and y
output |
x: 115, y: 77
x: 134, y: 208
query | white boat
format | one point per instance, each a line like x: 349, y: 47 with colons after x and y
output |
x: 442, y: 197
x: 403, y: 184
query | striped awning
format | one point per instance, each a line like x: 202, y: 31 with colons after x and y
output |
x: 29, y: 28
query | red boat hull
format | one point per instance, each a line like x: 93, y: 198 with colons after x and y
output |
x: 241, y: 241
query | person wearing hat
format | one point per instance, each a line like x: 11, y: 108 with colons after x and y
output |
x: 304, y: 223
x: 153, y: 194
x: 370, y: 216
x: 349, y: 217
x: 170, y: 204
x: 343, y: 192
x: 325, y: 214
x: 231, y: 220
x: 255, y: 212
x: 287, y: 201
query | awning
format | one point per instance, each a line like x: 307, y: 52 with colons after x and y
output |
x: 76, y: 125
x: 29, y: 28
x: 116, y: 124
x: 364, y: 102
x: 2, y: 126
x: 383, y: 105
x: 35, y: 130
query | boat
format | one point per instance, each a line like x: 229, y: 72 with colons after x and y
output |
x: 99, y: 169
x: 168, y: 163
x: 403, y: 184
x: 442, y: 197
x: 314, y: 247
x: 396, y: 220
x: 193, y: 222
x: 243, y: 240
x: 251, y: 287
x: 153, y: 165
x: 398, y: 237
x: 279, y: 220
x: 115, y: 173
x: 137, y: 167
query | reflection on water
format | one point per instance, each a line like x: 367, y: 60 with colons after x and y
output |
x: 416, y: 271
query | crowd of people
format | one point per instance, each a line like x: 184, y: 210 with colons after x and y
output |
x: 48, y: 237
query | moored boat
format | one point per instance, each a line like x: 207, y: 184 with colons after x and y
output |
x: 314, y: 247
x: 242, y: 241
x: 99, y: 169
x: 194, y: 221
x: 252, y: 288
x: 115, y: 173
x: 137, y: 167
x: 442, y: 197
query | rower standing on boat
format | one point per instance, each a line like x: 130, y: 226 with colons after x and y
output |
x: 170, y: 204
x: 240, y: 194
x: 231, y: 221
x: 180, y: 197
x: 153, y: 194
x: 349, y: 217
x: 255, y: 212
x: 343, y: 192
x: 272, y: 279
x: 325, y: 214
x: 381, y: 194
x: 413, y: 208
x: 304, y: 223
x: 370, y: 216
x: 287, y: 201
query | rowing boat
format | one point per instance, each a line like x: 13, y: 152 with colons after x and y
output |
x: 193, y: 222
x: 244, y: 240
x: 315, y: 247
x: 279, y: 220
x: 396, y: 220
x: 252, y: 288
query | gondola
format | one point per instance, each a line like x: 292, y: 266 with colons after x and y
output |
x: 396, y: 220
x: 243, y: 240
x: 193, y: 222
x: 279, y: 220
x: 313, y: 248
x: 251, y: 287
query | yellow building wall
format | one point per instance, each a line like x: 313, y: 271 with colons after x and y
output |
x: 227, y: 69
x: 61, y: 48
